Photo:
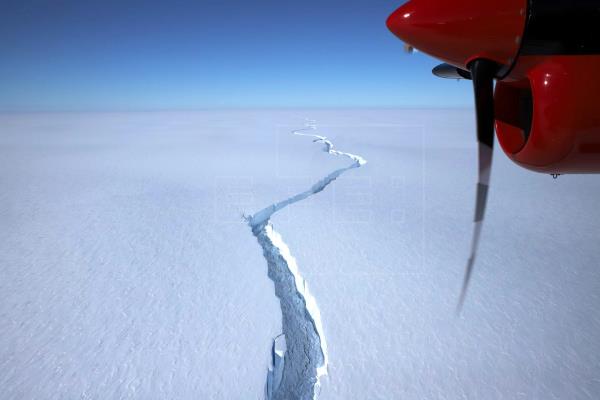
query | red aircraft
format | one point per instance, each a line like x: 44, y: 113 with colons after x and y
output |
x: 545, y: 58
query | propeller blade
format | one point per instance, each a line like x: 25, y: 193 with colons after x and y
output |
x: 448, y: 71
x: 483, y: 73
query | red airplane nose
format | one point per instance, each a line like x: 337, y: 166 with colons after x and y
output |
x: 460, y: 31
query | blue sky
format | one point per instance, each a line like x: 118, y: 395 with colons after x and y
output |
x: 141, y: 55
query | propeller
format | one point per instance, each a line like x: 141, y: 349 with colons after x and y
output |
x: 482, y: 72
x: 457, y: 35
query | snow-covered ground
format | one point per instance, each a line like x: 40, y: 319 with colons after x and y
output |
x: 127, y: 269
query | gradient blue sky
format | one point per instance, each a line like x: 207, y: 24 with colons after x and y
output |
x: 139, y: 55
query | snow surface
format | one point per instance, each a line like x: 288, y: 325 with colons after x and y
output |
x: 127, y: 270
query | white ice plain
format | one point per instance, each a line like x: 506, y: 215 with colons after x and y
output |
x: 128, y: 271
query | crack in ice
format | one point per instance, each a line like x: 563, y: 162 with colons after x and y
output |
x: 299, y: 354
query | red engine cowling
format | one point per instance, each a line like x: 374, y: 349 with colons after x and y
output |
x: 547, y: 96
x: 548, y: 113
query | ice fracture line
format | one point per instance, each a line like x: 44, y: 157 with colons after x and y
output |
x: 299, y: 354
